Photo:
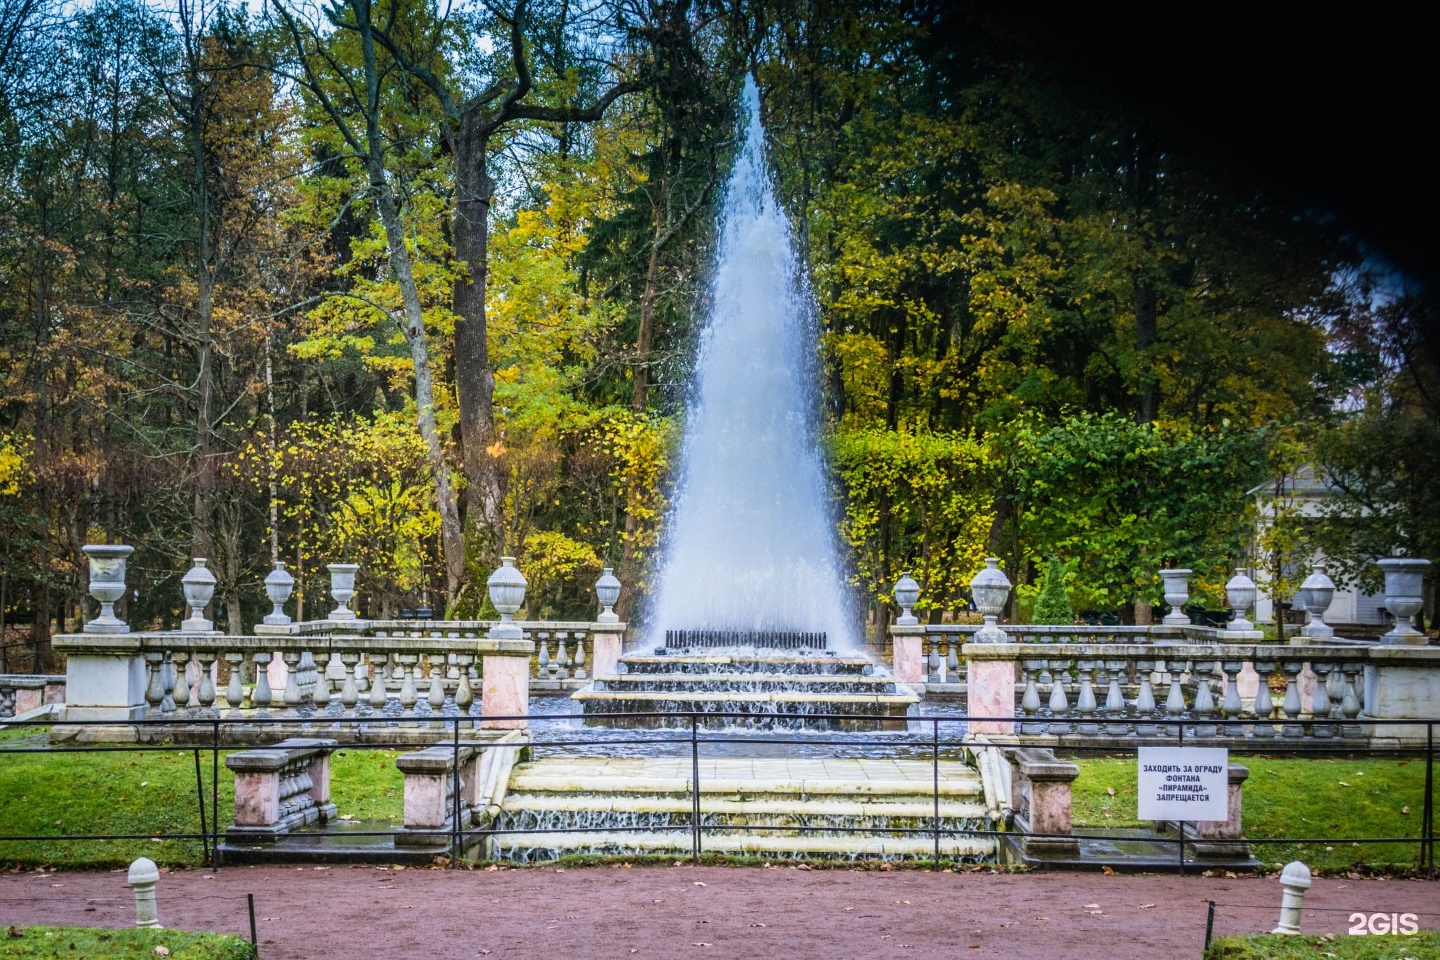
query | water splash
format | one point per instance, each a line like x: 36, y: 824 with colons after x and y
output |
x: 751, y: 544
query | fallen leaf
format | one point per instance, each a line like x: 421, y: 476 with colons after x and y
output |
x: 699, y: 943
x: 162, y: 951
x: 1092, y: 906
x: 699, y: 883
x: 1342, y: 783
x: 1404, y: 809
x: 1146, y: 906
x: 1108, y: 871
x: 757, y: 924
x: 1110, y: 791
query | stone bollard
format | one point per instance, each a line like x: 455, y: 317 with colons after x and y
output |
x: 143, y: 877
x: 1295, y: 879
x: 1040, y: 796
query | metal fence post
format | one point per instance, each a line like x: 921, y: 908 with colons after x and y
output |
x: 935, y: 771
x: 694, y: 787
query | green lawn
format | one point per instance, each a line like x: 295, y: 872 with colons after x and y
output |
x: 98, y: 943
x: 151, y: 793
x: 1313, y: 797
x: 1334, y: 946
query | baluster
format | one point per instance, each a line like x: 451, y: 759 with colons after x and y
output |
x: 1350, y: 702
x: 349, y: 689
x: 181, y: 693
x: 1291, y: 705
x: 1059, y: 702
x: 324, y: 704
x: 292, y: 695
x: 205, y: 694
x: 1231, y: 705
x: 407, y: 664
x: 1030, y: 701
x: 309, y: 676
x: 1204, y: 710
x: 563, y: 659
x: 580, y: 673
x: 1085, y: 702
x: 436, y: 699
x: 1145, y: 725
x: 932, y: 673
x: 378, y: 696
x: 464, y: 694
x: 952, y: 660
x: 1118, y: 725
x: 542, y: 663
x: 235, y: 689
x: 1175, y: 697
x: 1264, y: 705
x: 261, y: 696
x: 155, y: 689
x: 1320, y: 701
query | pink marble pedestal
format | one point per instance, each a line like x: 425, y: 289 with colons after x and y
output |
x: 605, y: 651
x: 504, y: 691
x: 990, y: 688
x: 907, y: 654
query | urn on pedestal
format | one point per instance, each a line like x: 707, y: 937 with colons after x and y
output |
x: 607, y: 591
x: 907, y: 591
x: 342, y: 588
x: 1404, y: 579
x: 107, y: 584
x: 1177, y: 594
x: 1241, y: 592
x: 507, y: 592
x: 1315, y: 596
x: 279, y: 584
x: 990, y: 588
x: 199, y: 586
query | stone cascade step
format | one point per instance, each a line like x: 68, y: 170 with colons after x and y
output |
x: 808, y: 808
x: 748, y: 689
x: 774, y: 663
x: 818, y: 683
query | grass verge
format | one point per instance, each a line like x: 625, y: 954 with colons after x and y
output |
x: 1291, y: 797
x: 1336, y: 947
x: 150, y: 794
x: 99, y: 943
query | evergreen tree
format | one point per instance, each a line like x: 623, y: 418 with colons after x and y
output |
x: 1053, y: 603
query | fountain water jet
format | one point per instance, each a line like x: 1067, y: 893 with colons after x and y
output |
x: 751, y: 546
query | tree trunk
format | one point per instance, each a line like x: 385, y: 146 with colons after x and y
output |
x: 474, y: 382
x: 414, y: 329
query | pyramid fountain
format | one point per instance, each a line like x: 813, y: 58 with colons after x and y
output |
x: 750, y: 613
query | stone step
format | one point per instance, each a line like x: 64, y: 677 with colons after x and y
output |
x: 772, y: 806
x: 892, y: 780
x: 719, y: 683
x: 736, y: 663
x: 530, y: 847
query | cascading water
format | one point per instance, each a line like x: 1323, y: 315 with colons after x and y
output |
x: 750, y: 544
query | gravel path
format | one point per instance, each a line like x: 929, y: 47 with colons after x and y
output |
x: 310, y: 913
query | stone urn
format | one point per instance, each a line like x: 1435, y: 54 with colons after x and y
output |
x: 990, y: 588
x: 607, y: 591
x: 507, y: 592
x: 107, y: 584
x: 199, y: 586
x: 1241, y: 593
x: 1316, y: 593
x: 907, y: 591
x: 279, y: 584
x: 1404, y: 581
x: 1177, y: 594
x: 342, y: 588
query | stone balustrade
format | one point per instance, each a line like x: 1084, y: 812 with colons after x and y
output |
x: 23, y: 693
x: 280, y: 789
x: 1152, y: 691
x: 413, y: 678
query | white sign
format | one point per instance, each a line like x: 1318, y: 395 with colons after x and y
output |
x: 1184, y: 783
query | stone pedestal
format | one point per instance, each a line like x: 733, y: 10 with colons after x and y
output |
x: 429, y: 792
x: 505, y: 683
x: 907, y: 653
x: 1040, y: 797
x: 990, y: 692
x: 606, y: 643
x: 105, y: 677
x: 1223, y: 839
